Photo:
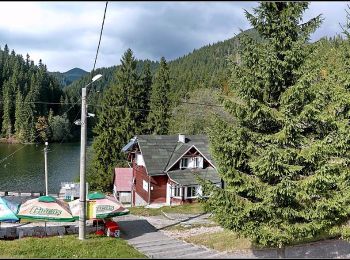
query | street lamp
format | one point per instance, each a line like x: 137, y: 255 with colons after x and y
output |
x: 82, y: 200
x: 46, y: 178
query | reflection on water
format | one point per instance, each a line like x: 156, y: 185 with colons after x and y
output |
x: 24, y: 171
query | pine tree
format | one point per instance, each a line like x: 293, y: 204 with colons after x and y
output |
x: 19, y: 116
x: 145, y: 93
x: 346, y: 27
x: 129, y: 81
x: 7, y: 107
x: 30, y: 111
x: 158, y: 118
x: 278, y: 183
x: 116, y: 125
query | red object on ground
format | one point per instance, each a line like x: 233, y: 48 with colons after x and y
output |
x: 112, y: 229
x: 100, y: 232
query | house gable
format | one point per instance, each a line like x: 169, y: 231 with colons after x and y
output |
x: 191, y: 151
x: 161, y: 152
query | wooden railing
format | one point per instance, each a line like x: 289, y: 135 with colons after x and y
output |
x: 26, y: 194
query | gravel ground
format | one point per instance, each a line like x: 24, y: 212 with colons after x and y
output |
x: 180, y: 234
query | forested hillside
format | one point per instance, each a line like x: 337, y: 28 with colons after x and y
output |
x: 69, y: 76
x: 198, y: 77
x: 27, y: 98
x: 205, y: 67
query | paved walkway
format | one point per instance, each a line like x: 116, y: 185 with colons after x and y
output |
x: 155, y: 244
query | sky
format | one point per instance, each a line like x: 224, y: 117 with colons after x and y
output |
x: 65, y: 34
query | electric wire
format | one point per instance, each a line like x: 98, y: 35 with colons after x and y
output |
x: 99, y: 42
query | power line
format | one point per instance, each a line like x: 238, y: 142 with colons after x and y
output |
x: 5, y: 158
x: 44, y: 102
x: 59, y: 103
x: 99, y: 42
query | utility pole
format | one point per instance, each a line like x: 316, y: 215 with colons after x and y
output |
x: 82, y: 200
x: 82, y: 197
x: 46, y: 178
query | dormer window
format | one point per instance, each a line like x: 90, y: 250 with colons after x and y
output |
x: 191, y: 162
x: 184, y: 162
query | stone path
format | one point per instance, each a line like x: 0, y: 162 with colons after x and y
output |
x: 154, y: 244
x: 149, y: 240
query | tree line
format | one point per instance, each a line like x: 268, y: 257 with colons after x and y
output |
x: 28, y: 97
x: 137, y: 103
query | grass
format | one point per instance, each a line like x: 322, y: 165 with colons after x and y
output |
x: 68, y: 246
x: 229, y: 241
x: 222, y: 241
x: 188, y: 208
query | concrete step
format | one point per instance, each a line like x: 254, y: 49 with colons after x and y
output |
x: 144, y: 241
x: 148, y: 237
x: 215, y: 254
x: 204, y: 253
x: 160, y: 245
x: 157, y: 243
x: 178, y: 253
x: 168, y: 247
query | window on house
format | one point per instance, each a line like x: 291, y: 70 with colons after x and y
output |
x: 145, y: 185
x: 184, y: 163
x: 177, y: 191
x: 191, y: 191
x: 191, y: 162
x: 198, y: 162
x: 195, y: 162
x: 139, y: 160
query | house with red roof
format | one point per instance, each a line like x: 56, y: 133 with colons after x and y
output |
x: 166, y: 168
x: 122, y: 184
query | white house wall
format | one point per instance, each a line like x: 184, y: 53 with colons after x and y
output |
x: 139, y: 160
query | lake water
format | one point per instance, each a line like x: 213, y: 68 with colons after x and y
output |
x: 24, y: 171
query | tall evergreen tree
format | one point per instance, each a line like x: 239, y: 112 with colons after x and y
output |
x: 276, y: 187
x: 158, y: 118
x: 346, y: 26
x: 19, y: 116
x: 145, y: 93
x: 129, y: 81
x: 7, y: 109
x: 116, y: 125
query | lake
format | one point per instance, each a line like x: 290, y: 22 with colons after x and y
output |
x: 24, y: 171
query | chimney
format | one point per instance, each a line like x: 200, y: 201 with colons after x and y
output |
x: 182, y: 138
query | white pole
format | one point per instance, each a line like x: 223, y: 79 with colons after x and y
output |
x: 46, y: 178
x: 82, y: 216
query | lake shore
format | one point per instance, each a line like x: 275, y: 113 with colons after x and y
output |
x: 10, y: 140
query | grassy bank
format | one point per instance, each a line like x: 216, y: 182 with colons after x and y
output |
x: 190, y: 208
x: 68, y: 247
x: 221, y: 241
x: 229, y: 241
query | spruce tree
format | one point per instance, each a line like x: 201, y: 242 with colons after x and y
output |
x: 7, y: 108
x: 279, y: 179
x: 145, y: 93
x: 19, y: 116
x: 115, y: 126
x: 129, y: 81
x: 158, y: 117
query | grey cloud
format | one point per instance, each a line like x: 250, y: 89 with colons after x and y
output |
x: 173, y: 30
x: 150, y: 29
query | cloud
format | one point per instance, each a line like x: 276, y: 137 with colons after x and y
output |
x: 65, y: 34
